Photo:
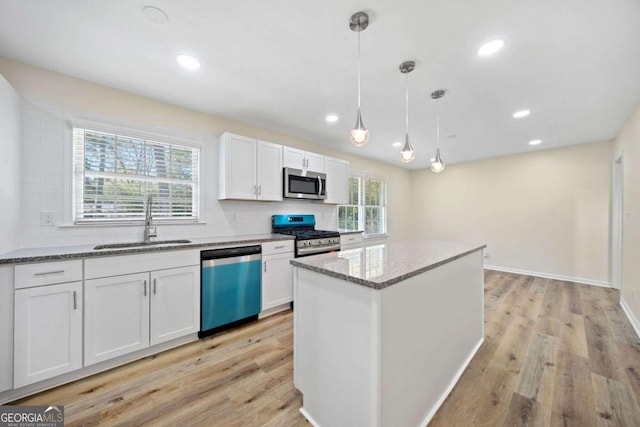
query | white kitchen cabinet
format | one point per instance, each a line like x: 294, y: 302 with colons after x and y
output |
x: 249, y: 169
x: 277, y: 274
x: 133, y: 301
x: 6, y: 327
x: 47, y: 332
x: 337, y: 171
x: 175, y: 303
x: 304, y: 160
x: 350, y: 241
x: 116, y: 316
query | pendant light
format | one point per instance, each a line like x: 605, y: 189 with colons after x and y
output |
x: 359, y: 135
x: 437, y: 165
x: 407, y: 154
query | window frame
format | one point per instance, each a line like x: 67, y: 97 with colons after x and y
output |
x: 362, y: 205
x: 127, y: 132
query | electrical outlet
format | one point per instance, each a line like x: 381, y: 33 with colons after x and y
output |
x: 47, y: 218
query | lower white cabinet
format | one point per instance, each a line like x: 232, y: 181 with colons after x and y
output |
x: 130, y: 312
x: 277, y: 274
x: 48, y: 332
x: 116, y: 316
x: 350, y: 241
x: 175, y: 303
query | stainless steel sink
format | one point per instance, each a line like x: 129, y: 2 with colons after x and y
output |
x: 140, y: 244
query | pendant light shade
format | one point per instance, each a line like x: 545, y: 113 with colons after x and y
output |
x: 407, y: 154
x: 437, y: 165
x: 359, y: 135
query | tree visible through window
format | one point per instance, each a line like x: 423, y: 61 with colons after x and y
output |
x: 114, y: 175
x: 366, y: 210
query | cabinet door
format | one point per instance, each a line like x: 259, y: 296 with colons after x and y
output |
x: 277, y: 280
x: 47, y: 332
x: 237, y: 167
x: 293, y: 158
x: 337, y: 181
x: 175, y: 303
x: 315, y: 162
x: 116, y: 316
x: 269, y: 171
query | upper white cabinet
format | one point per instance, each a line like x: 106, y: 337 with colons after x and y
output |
x: 249, y: 169
x: 300, y: 159
x: 47, y: 331
x: 337, y: 171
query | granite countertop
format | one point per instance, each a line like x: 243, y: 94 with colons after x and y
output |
x: 58, y: 253
x: 350, y: 232
x: 383, y: 265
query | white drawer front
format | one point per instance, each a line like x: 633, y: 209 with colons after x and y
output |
x: 135, y: 263
x: 47, y: 273
x: 281, y: 246
x: 351, y: 239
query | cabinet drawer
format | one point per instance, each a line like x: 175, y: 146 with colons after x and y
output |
x: 129, y: 264
x: 351, y: 239
x: 281, y: 246
x: 47, y: 273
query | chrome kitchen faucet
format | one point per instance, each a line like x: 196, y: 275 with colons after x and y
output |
x: 149, y: 228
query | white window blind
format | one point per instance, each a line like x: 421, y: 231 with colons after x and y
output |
x: 367, y: 208
x: 114, y: 174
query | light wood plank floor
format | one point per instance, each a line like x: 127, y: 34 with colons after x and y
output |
x: 555, y: 353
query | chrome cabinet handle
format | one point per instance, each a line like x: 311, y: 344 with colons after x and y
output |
x: 279, y: 247
x: 75, y: 300
x: 145, y: 288
x: 260, y: 190
x: 265, y: 266
x: 155, y: 286
x: 46, y: 273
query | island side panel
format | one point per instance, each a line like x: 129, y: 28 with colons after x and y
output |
x: 432, y: 324
x: 336, y: 349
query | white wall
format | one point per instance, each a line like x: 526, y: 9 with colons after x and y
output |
x: 10, y: 199
x: 52, y: 98
x: 545, y: 212
x: 627, y: 143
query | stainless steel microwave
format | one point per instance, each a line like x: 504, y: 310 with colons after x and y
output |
x: 302, y: 184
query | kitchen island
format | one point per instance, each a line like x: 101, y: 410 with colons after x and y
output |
x: 382, y: 333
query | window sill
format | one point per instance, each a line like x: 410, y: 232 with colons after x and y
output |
x: 127, y: 224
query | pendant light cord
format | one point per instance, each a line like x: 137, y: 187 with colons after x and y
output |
x: 438, y: 123
x: 358, y: 70
x: 406, y: 118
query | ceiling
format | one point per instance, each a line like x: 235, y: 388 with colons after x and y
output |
x: 285, y: 64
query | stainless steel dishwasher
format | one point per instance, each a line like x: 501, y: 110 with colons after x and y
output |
x: 230, y: 288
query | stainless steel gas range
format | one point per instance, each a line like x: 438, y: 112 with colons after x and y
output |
x: 309, y: 241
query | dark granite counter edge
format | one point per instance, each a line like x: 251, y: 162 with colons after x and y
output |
x: 130, y: 251
x: 387, y: 283
x: 350, y: 232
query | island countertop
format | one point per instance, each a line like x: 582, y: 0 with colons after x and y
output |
x: 383, y: 265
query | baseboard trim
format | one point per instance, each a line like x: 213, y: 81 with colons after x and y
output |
x: 632, y: 317
x: 452, y: 384
x: 308, y: 417
x: 602, y: 283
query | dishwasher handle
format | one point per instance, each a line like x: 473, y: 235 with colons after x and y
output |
x: 230, y: 252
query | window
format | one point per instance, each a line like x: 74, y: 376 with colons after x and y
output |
x: 367, y: 208
x: 114, y: 174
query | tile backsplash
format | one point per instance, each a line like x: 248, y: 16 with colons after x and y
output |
x: 46, y: 177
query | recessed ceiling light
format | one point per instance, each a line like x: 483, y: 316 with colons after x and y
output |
x: 156, y: 15
x: 520, y: 114
x: 397, y: 144
x: 331, y: 118
x: 491, y: 47
x: 188, y: 62
x: 535, y: 142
